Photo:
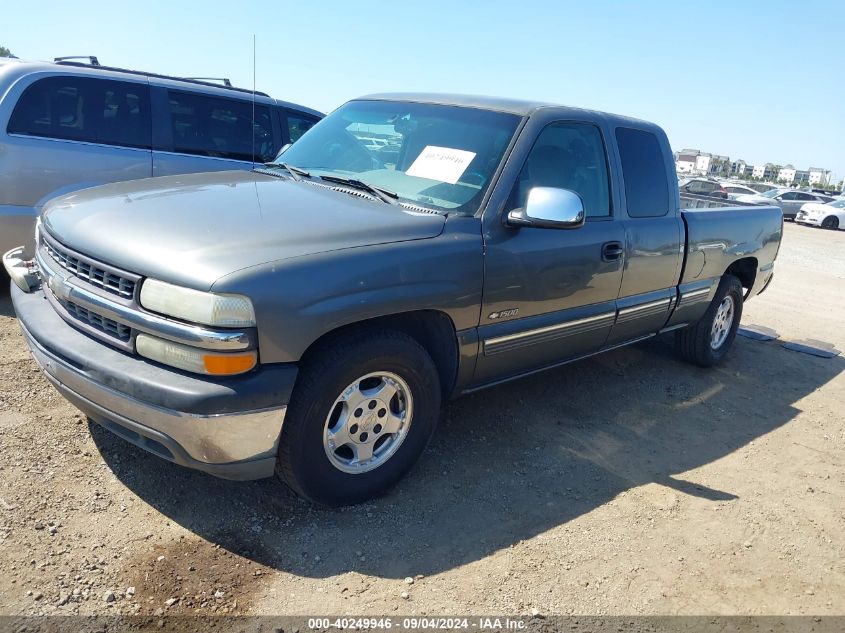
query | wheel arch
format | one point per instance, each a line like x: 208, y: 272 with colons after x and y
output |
x: 744, y: 269
x: 432, y: 329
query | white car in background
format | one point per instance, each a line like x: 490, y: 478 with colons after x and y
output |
x: 827, y: 216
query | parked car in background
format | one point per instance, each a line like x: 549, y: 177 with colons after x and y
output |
x: 830, y: 215
x: 735, y: 190
x: 789, y: 200
x: 69, y: 125
x: 762, y: 187
x: 703, y: 187
x: 309, y: 318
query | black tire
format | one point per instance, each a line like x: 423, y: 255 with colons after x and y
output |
x: 303, y: 462
x: 830, y: 222
x: 694, y: 341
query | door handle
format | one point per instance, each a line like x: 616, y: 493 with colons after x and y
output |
x: 612, y: 251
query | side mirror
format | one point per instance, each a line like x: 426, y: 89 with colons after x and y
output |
x: 550, y: 208
x: 779, y: 198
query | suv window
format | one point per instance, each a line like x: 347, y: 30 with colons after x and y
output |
x: 221, y: 128
x: 85, y: 109
x: 568, y: 156
x: 298, y: 124
x: 644, y: 173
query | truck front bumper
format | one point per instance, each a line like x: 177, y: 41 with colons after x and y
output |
x: 228, y: 428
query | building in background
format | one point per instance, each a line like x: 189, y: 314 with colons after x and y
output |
x: 819, y: 176
x: 786, y: 174
x: 766, y: 171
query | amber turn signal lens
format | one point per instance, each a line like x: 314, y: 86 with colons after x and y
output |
x: 229, y: 364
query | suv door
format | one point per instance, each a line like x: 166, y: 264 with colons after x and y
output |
x: 654, y: 235
x: 196, y: 132
x: 550, y: 294
x: 65, y: 133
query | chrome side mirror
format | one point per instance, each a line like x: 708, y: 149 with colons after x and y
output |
x: 550, y: 208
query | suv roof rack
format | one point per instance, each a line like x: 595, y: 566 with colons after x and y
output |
x: 92, y: 60
x: 201, y: 81
x: 224, y: 80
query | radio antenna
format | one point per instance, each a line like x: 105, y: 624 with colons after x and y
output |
x: 253, y: 100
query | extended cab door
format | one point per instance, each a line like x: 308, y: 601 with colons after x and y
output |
x: 549, y: 294
x: 654, y: 234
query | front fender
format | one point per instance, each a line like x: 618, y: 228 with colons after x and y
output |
x: 299, y: 300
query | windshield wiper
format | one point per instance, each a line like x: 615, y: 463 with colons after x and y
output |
x: 295, y: 172
x: 382, y: 194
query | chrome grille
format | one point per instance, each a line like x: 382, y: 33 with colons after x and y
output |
x: 98, y: 321
x: 89, y: 271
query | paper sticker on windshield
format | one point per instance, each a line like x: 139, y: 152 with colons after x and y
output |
x: 441, y: 163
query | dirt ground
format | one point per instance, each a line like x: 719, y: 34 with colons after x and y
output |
x: 631, y: 483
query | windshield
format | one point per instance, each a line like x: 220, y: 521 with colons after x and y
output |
x: 771, y: 193
x: 441, y: 157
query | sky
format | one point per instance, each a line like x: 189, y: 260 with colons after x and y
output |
x: 760, y: 81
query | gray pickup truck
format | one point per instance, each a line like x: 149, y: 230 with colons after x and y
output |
x: 310, y: 317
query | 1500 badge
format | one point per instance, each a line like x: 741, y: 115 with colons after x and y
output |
x: 503, y: 314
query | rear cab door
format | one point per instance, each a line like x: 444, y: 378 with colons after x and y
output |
x: 196, y: 131
x: 654, y: 234
x: 550, y: 294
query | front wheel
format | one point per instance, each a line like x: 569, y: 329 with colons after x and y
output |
x: 706, y: 342
x: 362, y: 412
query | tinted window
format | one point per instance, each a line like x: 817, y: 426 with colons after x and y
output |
x: 644, y: 173
x: 568, y: 156
x: 222, y: 128
x: 806, y: 196
x: 85, y: 109
x: 789, y: 195
x: 298, y: 125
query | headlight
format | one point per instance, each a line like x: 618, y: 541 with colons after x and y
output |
x: 207, y: 308
x: 194, y: 359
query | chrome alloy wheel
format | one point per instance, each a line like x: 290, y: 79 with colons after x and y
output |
x: 368, y: 422
x: 722, y: 323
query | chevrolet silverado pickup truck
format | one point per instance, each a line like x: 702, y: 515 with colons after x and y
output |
x: 309, y: 317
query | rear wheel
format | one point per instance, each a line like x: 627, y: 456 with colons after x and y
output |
x: 362, y: 412
x: 830, y: 222
x: 706, y: 342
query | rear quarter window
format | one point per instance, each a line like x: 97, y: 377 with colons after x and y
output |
x: 644, y: 173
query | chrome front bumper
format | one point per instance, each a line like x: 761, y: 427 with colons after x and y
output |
x: 228, y: 428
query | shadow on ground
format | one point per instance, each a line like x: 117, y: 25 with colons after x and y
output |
x: 6, y: 308
x: 505, y: 465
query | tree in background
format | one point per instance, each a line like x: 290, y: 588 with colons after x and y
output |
x: 5, y: 52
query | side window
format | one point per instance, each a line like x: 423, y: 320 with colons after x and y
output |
x: 568, y: 156
x: 644, y: 173
x: 85, y: 109
x: 221, y: 128
x: 298, y: 124
x: 789, y: 195
x: 806, y: 196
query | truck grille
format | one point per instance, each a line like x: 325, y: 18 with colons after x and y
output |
x: 98, y: 321
x: 90, y: 271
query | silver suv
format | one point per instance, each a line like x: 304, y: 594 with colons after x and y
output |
x: 69, y: 125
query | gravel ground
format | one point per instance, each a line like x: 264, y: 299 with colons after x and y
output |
x: 630, y: 483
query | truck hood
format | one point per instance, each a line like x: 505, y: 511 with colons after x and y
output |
x: 193, y: 229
